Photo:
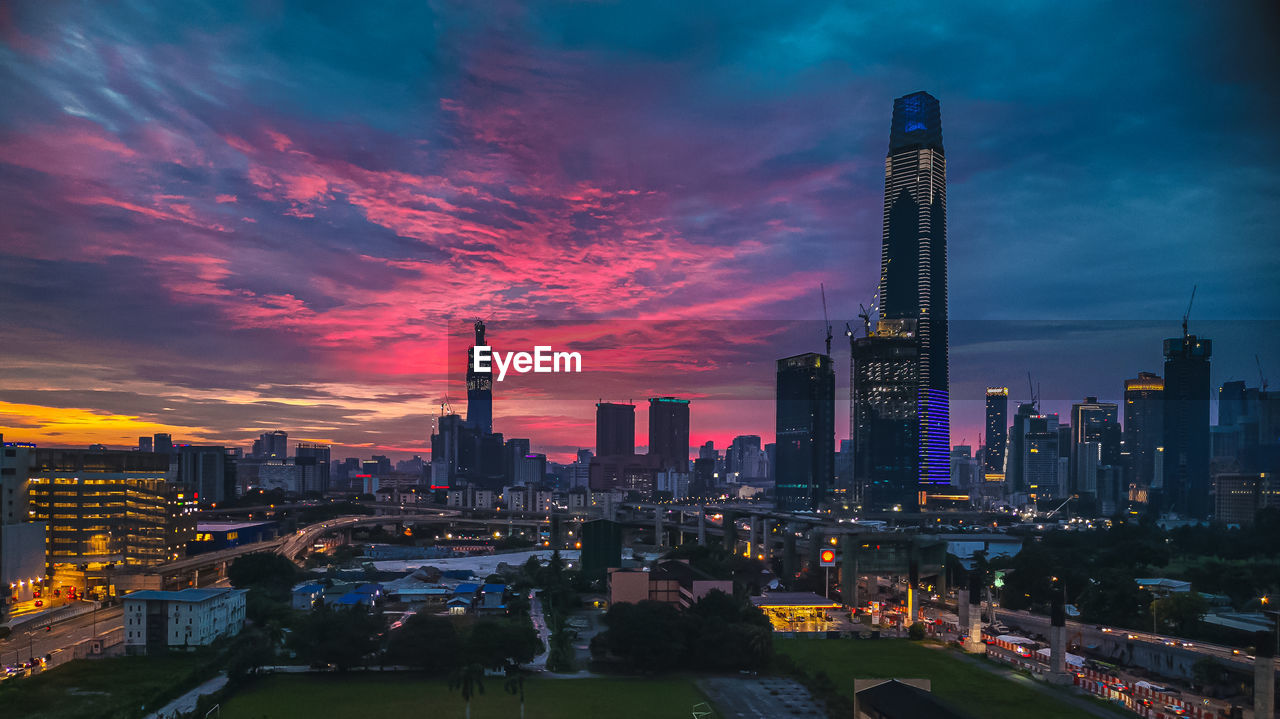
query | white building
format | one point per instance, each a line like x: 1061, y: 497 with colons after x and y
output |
x: 175, y: 620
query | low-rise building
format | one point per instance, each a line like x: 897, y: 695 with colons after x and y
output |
x: 305, y: 596
x: 158, y: 620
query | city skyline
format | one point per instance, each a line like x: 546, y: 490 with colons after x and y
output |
x: 294, y: 251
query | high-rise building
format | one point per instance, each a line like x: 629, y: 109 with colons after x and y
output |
x: 997, y: 434
x: 669, y: 432
x: 207, y: 472
x: 615, y: 429
x: 745, y: 460
x: 1143, y: 426
x: 1092, y: 422
x: 913, y: 269
x: 144, y: 444
x: 805, y: 431
x: 308, y: 454
x: 479, y: 389
x: 886, y: 390
x: 1040, y: 457
x: 163, y: 443
x: 1186, y: 425
x: 1013, y: 458
x: 270, y: 445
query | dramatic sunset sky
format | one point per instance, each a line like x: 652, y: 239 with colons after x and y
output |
x: 218, y: 219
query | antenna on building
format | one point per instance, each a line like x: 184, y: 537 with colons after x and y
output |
x: 1261, y: 379
x: 822, y: 288
x: 1187, y: 315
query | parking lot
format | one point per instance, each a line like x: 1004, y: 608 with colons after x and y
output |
x: 760, y: 698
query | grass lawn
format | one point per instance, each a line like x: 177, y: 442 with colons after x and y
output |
x: 397, y: 696
x: 966, y: 687
x: 93, y: 688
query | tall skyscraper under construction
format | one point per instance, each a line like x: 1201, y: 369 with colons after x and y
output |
x: 479, y: 389
x: 904, y: 434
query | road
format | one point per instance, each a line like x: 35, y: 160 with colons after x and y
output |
x: 33, y: 641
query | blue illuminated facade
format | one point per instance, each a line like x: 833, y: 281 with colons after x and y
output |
x: 913, y: 273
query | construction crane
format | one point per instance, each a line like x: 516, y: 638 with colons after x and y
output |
x: 1059, y: 507
x: 865, y: 315
x: 1187, y: 315
x: 1261, y: 379
x: 1034, y: 398
x: 848, y: 332
x: 822, y: 288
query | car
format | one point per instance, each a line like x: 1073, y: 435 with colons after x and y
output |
x: 39, y: 602
x: 1175, y: 710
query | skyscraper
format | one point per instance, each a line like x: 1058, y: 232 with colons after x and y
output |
x: 1143, y: 425
x: 479, y: 389
x: 669, y: 432
x: 314, y: 454
x: 997, y: 433
x: 1017, y: 439
x: 913, y: 268
x: 885, y: 391
x: 805, y: 431
x: 615, y: 429
x: 1040, y: 457
x: 1092, y: 422
x: 1186, y: 424
x: 269, y: 445
x: 163, y: 443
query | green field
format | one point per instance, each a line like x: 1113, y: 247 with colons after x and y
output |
x: 964, y: 686
x: 100, y: 688
x: 399, y: 696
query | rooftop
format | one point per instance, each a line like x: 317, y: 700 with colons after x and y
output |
x: 792, y: 599
x: 191, y: 594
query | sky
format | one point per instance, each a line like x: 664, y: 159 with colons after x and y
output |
x: 219, y: 219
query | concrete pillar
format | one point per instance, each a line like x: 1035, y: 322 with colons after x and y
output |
x: 849, y: 570
x: 1058, y: 642
x: 757, y: 536
x: 973, y: 644
x: 702, y: 527
x: 817, y: 542
x: 790, y: 557
x: 962, y: 609
x: 730, y: 526
x: 658, y: 531
x: 913, y: 578
x: 1264, y: 676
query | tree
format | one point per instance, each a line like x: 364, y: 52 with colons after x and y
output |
x: 341, y: 637
x: 1180, y: 611
x: 252, y: 650
x: 915, y: 632
x: 426, y: 642
x: 273, y: 574
x: 494, y: 644
x: 469, y: 681
x: 650, y: 636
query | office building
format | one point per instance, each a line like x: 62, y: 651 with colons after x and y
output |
x: 1040, y: 457
x: 163, y: 443
x: 1014, y: 456
x: 1186, y: 425
x: 22, y: 543
x: 479, y: 388
x: 271, y: 445
x: 997, y: 434
x: 1143, y: 426
x: 315, y: 468
x: 1092, y: 422
x: 615, y: 429
x: 144, y: 444
x: 669, y: 432
x: 207, y: 472
x: 1238, y: 497
x: 744, y: 460
x: 159, y: 621
x: 913, y: 270
x: 805, y: 422
x: 886, y: 450
x: 107, y: 509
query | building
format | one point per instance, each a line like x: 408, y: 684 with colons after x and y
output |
x: 672, y: 582
x: 159, y: 621
x: 216, y: 536
x: 1238, y: 497
x: 913, y: 268
x: 1247, y: 438
x: 1094, y: 442
x: 270, y: 445
x: 306, y: 596
x: 615, y: 429
x: 886, y: 394
x: 899, y: 699
x: 22, y: 543
x: 805, y: 422
x: 669, y: 432
x: 633, y: 475
x: 1143, y: 426
x: 479, y: 388
x: 105, y: 510
x: 744, y: 460
x: 314, y: 460
x: 997, y: 434
x: 1016, y: 452
x: 208, y: 472
x: 1186, y: 425
x: 144, y: 444
x: 601, y: 547
x: 1040, y: 457
x: 163, y: 443
x: 462, y: 455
